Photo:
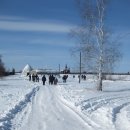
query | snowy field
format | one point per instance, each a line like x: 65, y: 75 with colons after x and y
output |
x: 25, y: 105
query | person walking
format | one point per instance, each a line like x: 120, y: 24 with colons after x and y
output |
x: 37, y: 78
x: 29, y: 77
x: 55, y: 81
x: 43, y: 79
x: 33, y: 77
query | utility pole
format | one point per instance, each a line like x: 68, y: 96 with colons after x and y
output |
x: 59, y: 71
x: 80, y: 69
x: 59, y: 68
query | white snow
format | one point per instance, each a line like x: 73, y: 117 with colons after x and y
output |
x: 26, y: 69
x: 26, y: 105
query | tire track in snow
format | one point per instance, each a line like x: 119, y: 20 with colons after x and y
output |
x: 116, y: 104
x: 59, y: 101
x: 117, y: 110
x: 7, y: 120
x: 122, y: 120
x: 120, y: 116
x: 93, y: 104
x: 48, y: 113
x: 85, y: 120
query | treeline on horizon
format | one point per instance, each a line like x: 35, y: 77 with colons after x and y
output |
x: 3, y: 71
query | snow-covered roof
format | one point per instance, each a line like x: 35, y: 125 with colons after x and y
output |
x: 26, y: 69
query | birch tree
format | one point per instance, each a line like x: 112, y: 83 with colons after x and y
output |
x: 96, y: 45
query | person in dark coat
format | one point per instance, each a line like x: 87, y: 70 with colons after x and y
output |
x: 29, y: 77
x: 55, y: 81
x: 43, y: 79
x: 33, y: 77
x: 49, y: 79
x: 37, y: 78
x: 65, y: 78
x: 52, y: 79
x: 84, y: 77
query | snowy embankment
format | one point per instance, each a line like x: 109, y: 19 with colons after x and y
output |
x: 109, y: 109
x: 67, y: 106
x: 15, y: 93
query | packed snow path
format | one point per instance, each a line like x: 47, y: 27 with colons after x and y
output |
x: 49, y: 113
x: 67, y: 106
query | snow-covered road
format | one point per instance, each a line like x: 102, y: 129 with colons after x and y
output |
x: 49, y: 113
x: 67, y: 106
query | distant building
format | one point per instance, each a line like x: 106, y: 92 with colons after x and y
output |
x: 26, y: 70
x: 66, y: 70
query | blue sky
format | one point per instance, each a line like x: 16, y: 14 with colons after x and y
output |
x: 37, y: 32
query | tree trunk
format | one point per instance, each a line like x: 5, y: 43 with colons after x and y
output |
x: 99, y: 83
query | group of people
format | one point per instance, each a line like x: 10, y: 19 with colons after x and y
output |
x: 52, y: 80
x: 35, y: 78
x: 82, y: 76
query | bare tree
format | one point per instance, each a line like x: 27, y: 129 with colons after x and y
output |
x: 95, y: 40
x: 2, y: 68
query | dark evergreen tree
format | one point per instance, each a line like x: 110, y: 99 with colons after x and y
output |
x: 13, y: 71
x: 2, y: 68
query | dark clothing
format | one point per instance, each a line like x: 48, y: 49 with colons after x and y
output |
x: 37, y: 78
x: 55, y: 81
x: 65, y: 78
x: 33, y: 78
x: 29, y: 77
x: 51, y: 79
x: 43, y: 79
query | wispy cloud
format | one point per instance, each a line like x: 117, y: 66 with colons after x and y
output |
x: 11, y: 51
x: 11, y: 18
x: 45, y: 26
x: 56, y: 42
